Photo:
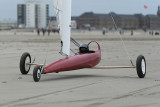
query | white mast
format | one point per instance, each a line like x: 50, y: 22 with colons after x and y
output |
x: 62, y: 10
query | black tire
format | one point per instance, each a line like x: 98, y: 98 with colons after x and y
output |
x: 25, y: 58
x: 37, y: 73
x: 141, y: 66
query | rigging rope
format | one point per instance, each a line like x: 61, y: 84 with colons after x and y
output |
x: 48, y: 27
x: 124, y: 46
x: 125, y: 49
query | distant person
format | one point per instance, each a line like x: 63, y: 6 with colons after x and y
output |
x: 38, y: 32
x: 152, y: 33
x: 120, y: 32
x: 49, y: 32
x: 58, y: 30
x: 131, y: 32
x: 43, y: 31
x: 104, y: 31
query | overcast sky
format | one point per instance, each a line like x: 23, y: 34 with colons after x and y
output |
x: 8, y: 8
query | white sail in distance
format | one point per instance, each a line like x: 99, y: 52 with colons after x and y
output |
x: 62, y: 9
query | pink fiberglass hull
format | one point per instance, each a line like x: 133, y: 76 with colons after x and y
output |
x: 78, y: 61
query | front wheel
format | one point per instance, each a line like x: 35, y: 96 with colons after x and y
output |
x: 141, y: 66
x: 37, y: 73
x: 24, y: 66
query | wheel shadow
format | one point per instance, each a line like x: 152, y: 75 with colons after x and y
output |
x: 82, y: 76
x: 62, y: 77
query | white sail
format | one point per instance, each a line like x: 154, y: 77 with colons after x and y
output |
x: 57, y: 9
x: 62, y: 10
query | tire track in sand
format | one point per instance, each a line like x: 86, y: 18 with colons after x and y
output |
x: 45, y: 94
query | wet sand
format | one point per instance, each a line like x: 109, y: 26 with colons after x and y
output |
x: 85, y: 87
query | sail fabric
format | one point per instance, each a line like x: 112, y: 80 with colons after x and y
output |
x: 62, y: 10
x: 57, y: 8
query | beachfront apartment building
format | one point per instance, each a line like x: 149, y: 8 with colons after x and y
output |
x: 99, y: 21
x: 123, y: 21
x: 152, y: 22
x: 32, y: 14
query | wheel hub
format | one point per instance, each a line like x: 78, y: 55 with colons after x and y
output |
x: 26, y: 65
x: 143, y: 66
x: 38, y: 74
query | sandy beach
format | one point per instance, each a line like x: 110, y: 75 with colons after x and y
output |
x: 85, y: 87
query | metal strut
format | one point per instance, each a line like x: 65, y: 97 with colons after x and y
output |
x: 75, y: 42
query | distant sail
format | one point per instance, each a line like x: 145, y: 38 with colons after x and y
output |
x: 62, y: 10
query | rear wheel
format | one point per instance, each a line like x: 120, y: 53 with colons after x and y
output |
x: 141, y: 66
x: 37, y: 73
x: 24, y: 67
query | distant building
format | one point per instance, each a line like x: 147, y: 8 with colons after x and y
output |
x: 90, y: 19
x: 141, y: 21
x: 54, y: 25
x: 8, y: 24
x: 36, y: 15
x: 128, y: 22
x: 32, y: 14
x: 153, y: 22
x: 136, y: 21
x: 21, y: 15
x: 105, y: 21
